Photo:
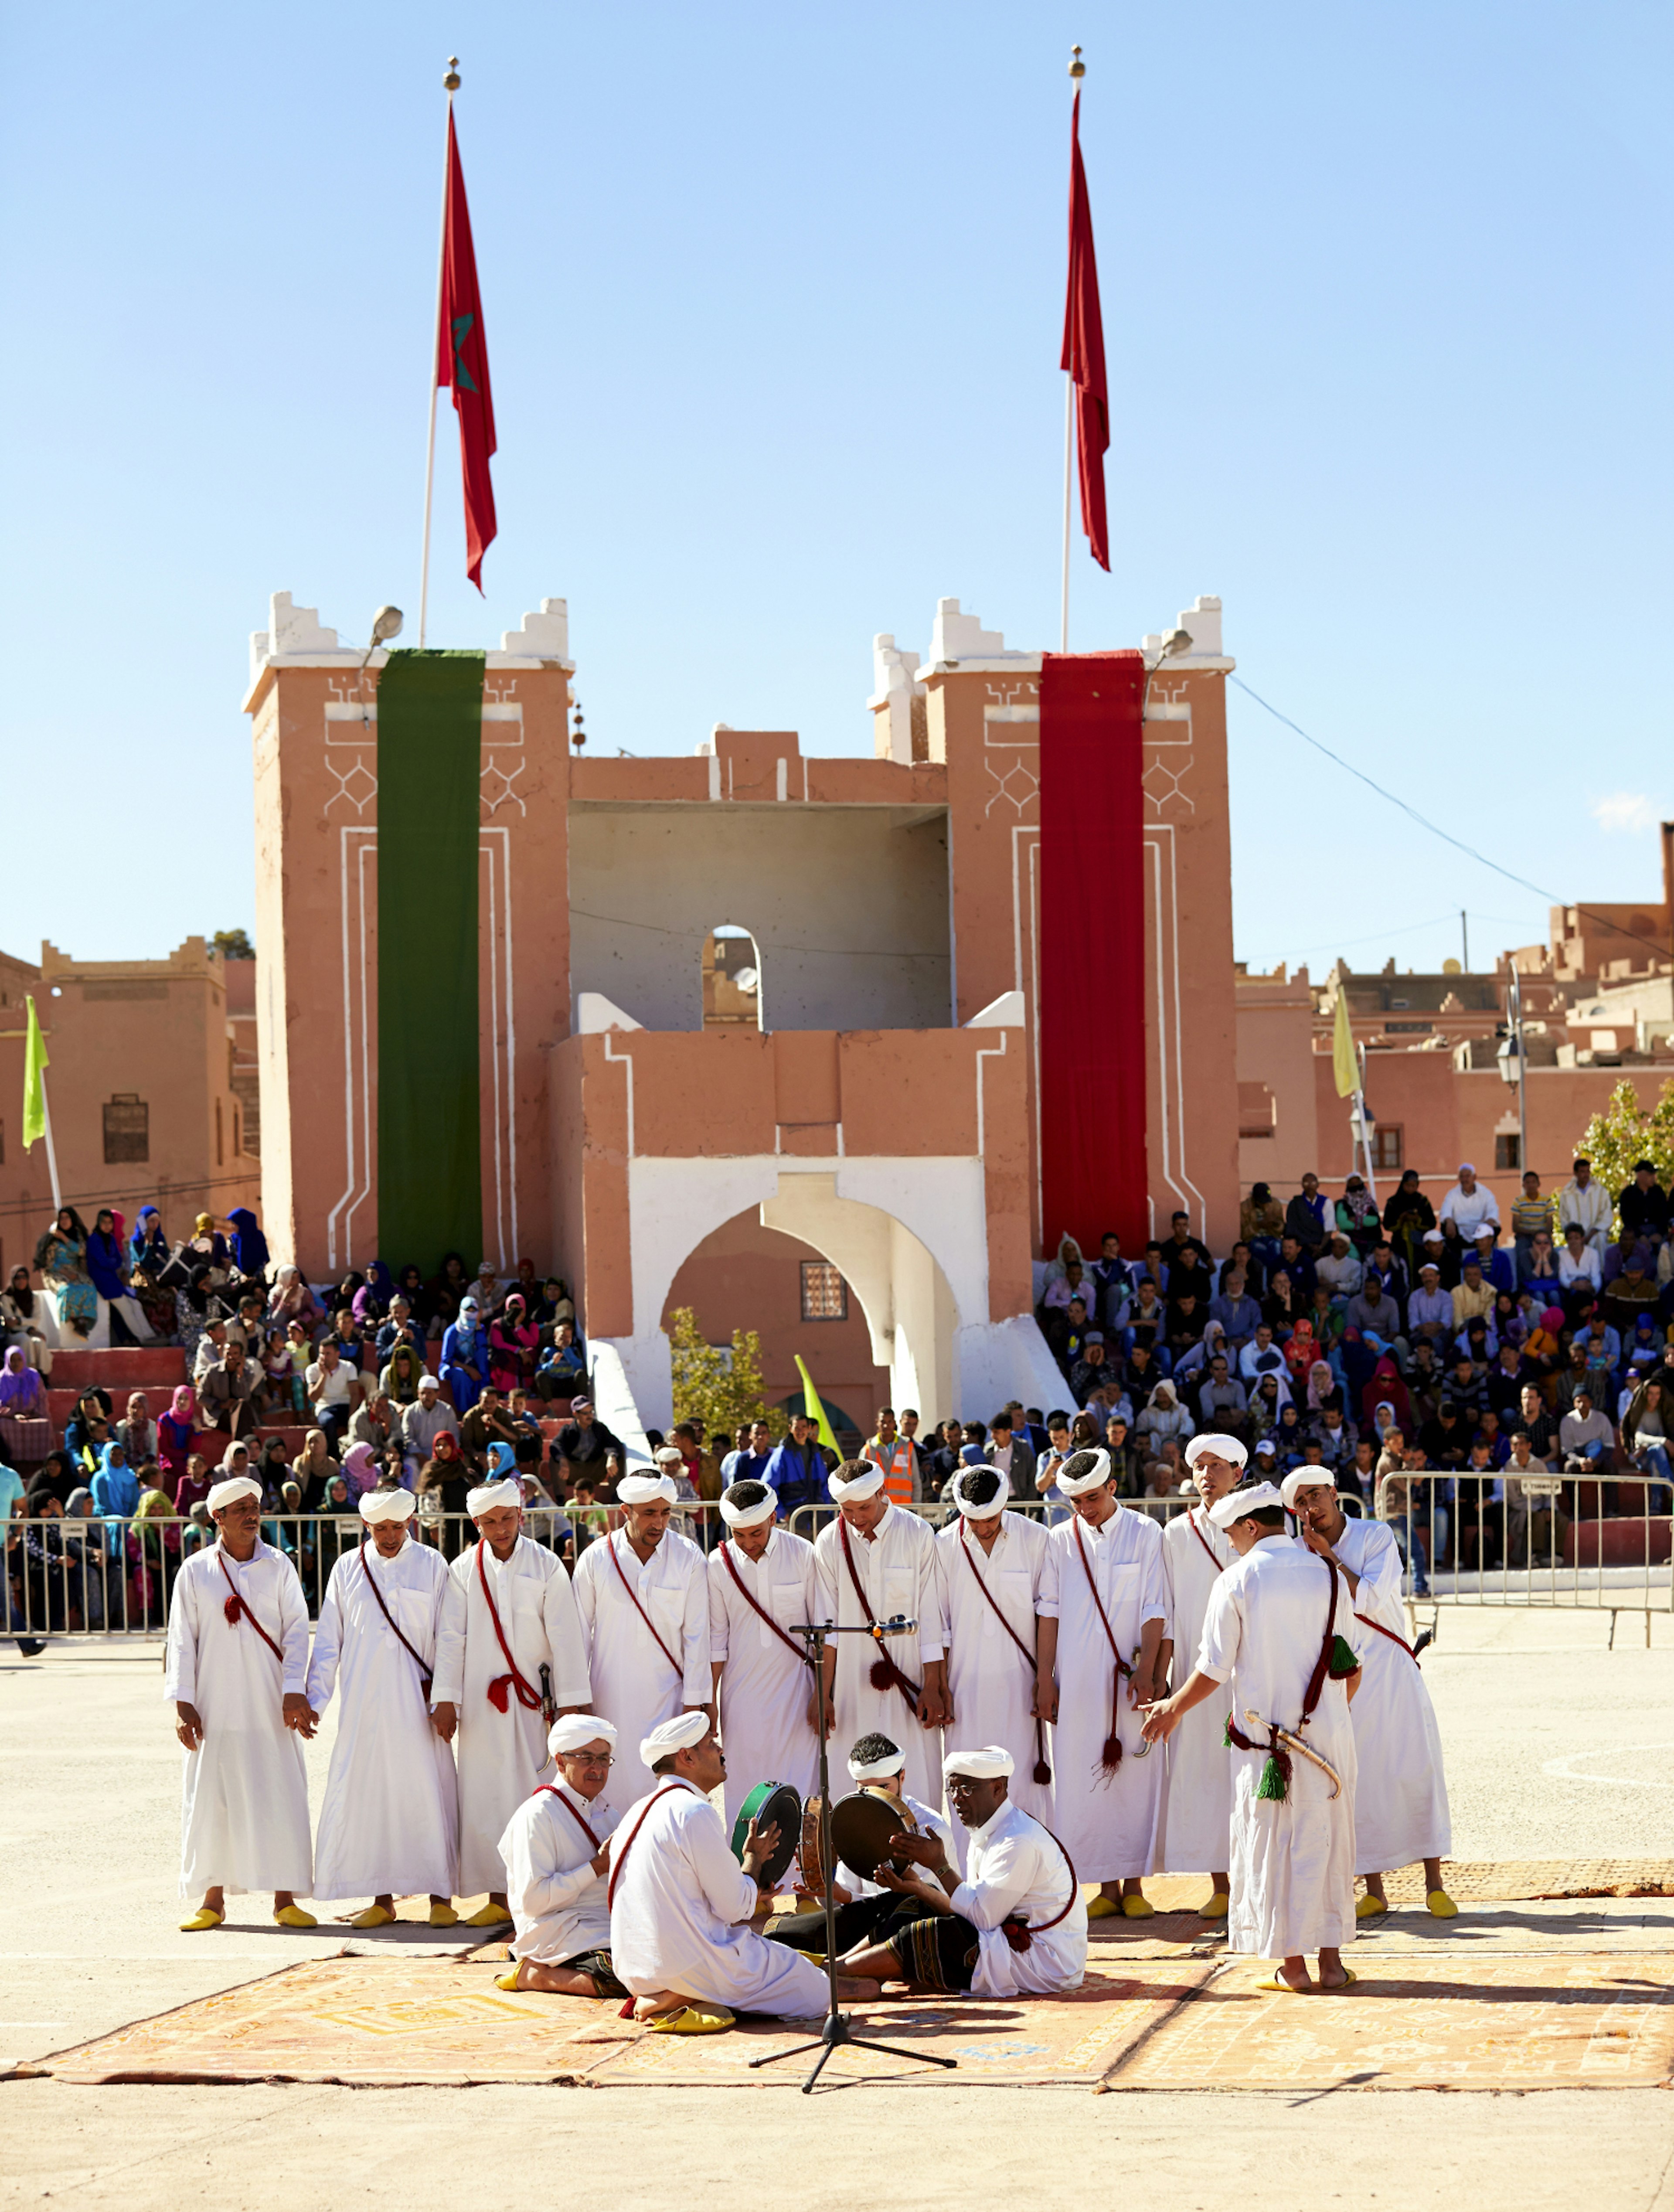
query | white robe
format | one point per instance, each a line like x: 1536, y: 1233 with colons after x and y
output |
x: 1194, y: 1824
x: 1292, y: 1862
x: 633, y: 1685
x: 244, y: 1800
x: 1108, y: 1822
x: 764, y: 1691
x: 390, y: 1817
x: 1401, y: 1812
x: 992, y: 1686
x: 1015, y: 1867
x: 558, y: 1903
x: 503, y: 1755
x: 681, y: 1896
x: 897, y: 1569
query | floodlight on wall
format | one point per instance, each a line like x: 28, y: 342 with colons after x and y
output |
x: 386, y: 624
x: 1176, y: 643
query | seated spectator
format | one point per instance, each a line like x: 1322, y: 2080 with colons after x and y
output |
x: 1356, y: 1215
x: 1163, y: 1419
x: 938, y: 1465
x: 487, y: 1424
x: 1408, y: 1219
x: 1579, y: 1264
x: 1147, y: 1317
x: 1066, y: 1287
x: 1261, y: 1221
x: 292, y: 1300
x: 1646, y: 1428
x: 398, y: 1327
x: 464, y: 1356
x: 211, y: 1346
x: 1642, y: 1206
x: 1242, y: 1260
x: 1633, y: 1291
x: 313, y: 1468
x: 423, y: 1422
x: 1358, y: 1479
x: 1430, y: 1309
x: 585, y: 1445
x: 1112, y: 1283
x: 332, y: 1389
x: 137, y: 1432
x: 1186, y: 1320
x: 1371, y: 1310
x: 1237, y: 1311
x: 1473, y: 1297
x: 1391, y: 1270
x: 1179, y: 1242
x: 1339, y: 1267
x: 1493, y: 1262
x: 375, y: 1423
x: 1067, y: 1336
x: 1222, y: 1401
x: 1586, y: 1436
x: 1336, y: 1436
x: 1446, y: 1439
x: 227, y: 1395
x: 1260, y: 1356
x: 1308, y: 1219
x: 1467, y: 1386
x: 1267, y: 1400
x: 1537, y: 1268
x: 1286, y: 1302
x: 1506, y: 1379
x: 404, y: 1376
x: 444, y: 1482
x: 25, y: 1432
x: 22, y: 1314
x: 514, y: 1344
x: 488, y: 1290
x: 1384, y: 1386
x: 563, y: 1368
x: 1167, y: 1474
x: 1300, y: 1351
x: 1468, y: 1205
x: 1092, y: 1371
x: 1127, y: 1460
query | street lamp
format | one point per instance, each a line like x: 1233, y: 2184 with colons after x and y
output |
x: 1512, y: 1060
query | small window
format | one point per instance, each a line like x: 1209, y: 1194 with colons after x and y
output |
x: 825, y: 1295
x: 1507, y: 1151
x: 732, y: 979
x: 1387, y: 1147
x: 127, y: 1130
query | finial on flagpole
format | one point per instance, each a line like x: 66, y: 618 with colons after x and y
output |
x: 450, y: 81
x: 1078, y: 67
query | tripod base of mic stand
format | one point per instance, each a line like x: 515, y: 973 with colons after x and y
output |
x: 837, y: 2034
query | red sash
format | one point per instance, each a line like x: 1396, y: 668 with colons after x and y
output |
x: 547, y: 1790
x: 1392, y: 1636
x: 1208, y: 1548
x: 738, y: 1581
x: 1030, y: 1658
x: 426, y: 1677
x: 616, y: 1562
x: 1111, y: 1757
x: 237, y: 1609
x: 1019, y: 1934
x: 885, y: 1672
x: 621, y: 1859
x: 502, y: 1684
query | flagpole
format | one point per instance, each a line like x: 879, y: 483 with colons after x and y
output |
x: 451, y: 83
x: 1077, y: 71
x: 52, y: 1156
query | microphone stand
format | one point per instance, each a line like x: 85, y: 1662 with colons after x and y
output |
x: 837, y: 2032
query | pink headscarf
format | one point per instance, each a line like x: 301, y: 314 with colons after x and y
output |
x: 360, y: 1468
x: 183, y: 1404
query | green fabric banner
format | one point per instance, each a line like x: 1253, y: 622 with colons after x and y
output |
x: 429, y: 1113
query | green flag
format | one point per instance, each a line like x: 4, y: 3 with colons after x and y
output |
x: 35, y: 1084
x: 814, y: 1410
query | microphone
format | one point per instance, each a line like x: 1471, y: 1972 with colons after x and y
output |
x: 897, y: 1624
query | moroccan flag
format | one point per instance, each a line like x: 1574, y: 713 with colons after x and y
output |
x: 34, y: 1079
x: 461, y: 361
x: 1083, y: 353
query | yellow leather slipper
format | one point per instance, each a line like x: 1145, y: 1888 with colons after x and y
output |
x: 373, y: 1916
x: 203, y: 1918
x: 293, y: 1916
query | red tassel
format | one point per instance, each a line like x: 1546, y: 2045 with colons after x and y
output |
x: 1111, y: 1757
x: 499, y: 1692
x: 1017, y: 1934
x: 1043, y: 1773
x: 626, y: 2010
x: 882, y: 1676
x: 233, y: 1609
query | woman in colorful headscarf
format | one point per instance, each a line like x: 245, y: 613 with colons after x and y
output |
x: 293, y: 1300
x: 402, y: 1376
x: 514, y: 1346
x: 61, y: 1261
x: 177, y: 1431
x: 28, y: 1321
x: 444, y: 1484
x: 25, y: 1430
x: 208, y: 1242
x: 250, y: 1252
x: 464, y: 1361
x: 360, y: 1468
x: 450, y: 1287
x: 315, y: 1468
x: 107, y: 1268
x: 1387, y: 1389
x: 1321, y: 1383
x: 148, y: 1247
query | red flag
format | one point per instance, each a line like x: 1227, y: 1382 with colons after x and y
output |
x: 461, y: 361
x: 1083, y: 353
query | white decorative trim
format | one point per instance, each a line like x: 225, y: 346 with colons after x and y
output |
x: 1169, y: 1026
x: 351, y: 1196
x: 625, y: 1059
x: 1005, y: 1012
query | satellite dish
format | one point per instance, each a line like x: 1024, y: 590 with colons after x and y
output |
x: 747, y: 979
x: 1452, y: 968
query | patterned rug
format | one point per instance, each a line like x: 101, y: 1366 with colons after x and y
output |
x: 1504, y: 2023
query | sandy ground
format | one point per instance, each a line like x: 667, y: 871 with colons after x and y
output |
x: 1555, y: 1746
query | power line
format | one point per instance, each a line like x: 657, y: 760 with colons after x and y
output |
x: 1634, y: 936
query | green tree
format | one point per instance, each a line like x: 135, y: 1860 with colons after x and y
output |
x: 723, y: 1391
x: 232, y: 945
x: 1627, y: 1131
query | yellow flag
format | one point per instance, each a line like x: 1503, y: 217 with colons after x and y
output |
x: 1345, y: 1065
x: 814, y: 1410
x: 34, y: 1085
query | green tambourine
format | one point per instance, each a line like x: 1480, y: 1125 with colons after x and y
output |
x: 768, y: 1804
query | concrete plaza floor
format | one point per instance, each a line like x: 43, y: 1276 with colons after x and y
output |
x: 1557, y: 1749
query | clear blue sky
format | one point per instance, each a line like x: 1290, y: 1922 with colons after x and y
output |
x: 772, y: 298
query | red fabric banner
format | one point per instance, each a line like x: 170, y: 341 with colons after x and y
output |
x: 461, y: 361
x: 1083, y: 353
x: 1092, y: 950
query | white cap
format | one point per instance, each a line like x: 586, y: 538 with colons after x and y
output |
x: 1305, y: 1478
x: 987, y: 1765
x: 862, y: 1485
x: 989, y: 1506
x: 1238, y: 1503
x: 571, y: 1730
x: 678, y: 1734
x: 235, y: 1487
x: 428, y: 1382
x: 646, y: 1490
x: 746, y: 1516
x: 1223, y: 1447
x: 1095, y: 1479
x: 487, y: 1495
x: 387, y: 1504
x: 876, y: 1770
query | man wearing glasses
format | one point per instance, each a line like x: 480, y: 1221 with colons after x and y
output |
x: 556, y: 1850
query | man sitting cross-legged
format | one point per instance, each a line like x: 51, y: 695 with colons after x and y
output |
x: 1015, y: 1926
x: 557, y: 1853
x: 878, y: 1765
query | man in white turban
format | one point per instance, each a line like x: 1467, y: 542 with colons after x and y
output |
x: 876, y: 1562
x: 643, y: 1594
x: 390, y: 1825
x: 1194, y: 1824
x: 510, y: 1656
x: 993, y: 1568
x: 1014, y: 1927
x: 760, y: 1586
x: 1281, y: 1634
x: 1110, y: 1595
x: 237, y: 1667
x: 681, y: 1904
x: 557, y: 1852
x: 1401, y: 1811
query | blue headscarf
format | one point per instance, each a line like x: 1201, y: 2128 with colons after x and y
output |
x: 249, y: 1245
x: 502, y: 1461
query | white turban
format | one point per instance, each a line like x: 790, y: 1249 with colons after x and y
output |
x: 987, y: 1765
x: 745, y: 1517
x: 1079, y: 1485
x: 1237, y: 1502
x: 993, y: 1505
x: 487, y: 1495
x: 1223, y: 1447
x: 678, y: 1734
x: 235, y: 1487
x: 1304, y: 1478
x: 387, y: 1504
x: 646, y: 1490
x: 877, y: 1770
x: 571, y: 1730
x: 862, y: 1485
